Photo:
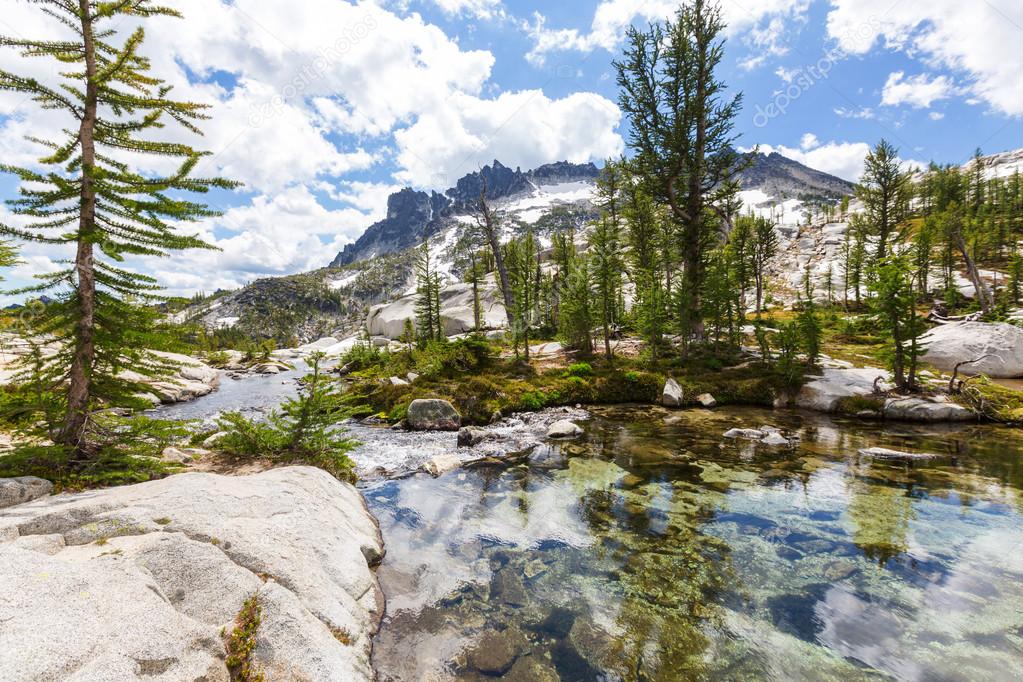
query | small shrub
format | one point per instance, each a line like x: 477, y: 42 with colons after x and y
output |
x: 579, y: 369
x: 304, y: 430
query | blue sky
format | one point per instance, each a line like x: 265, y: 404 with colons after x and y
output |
x: 324, y: 107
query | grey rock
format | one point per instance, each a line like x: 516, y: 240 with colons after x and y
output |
x: 671, y: 395
x: 747, y: 434
x: 1001, y: 343
x: 398, y: 381
x: 432, y: 415
x: 563, y: 428
x: 138, y: 581
x: 885, y: 453
x: 469, y: 436
x: 706, y: 400
x: 441, y: 464
x: 921, y: 410
x: 22, y: 489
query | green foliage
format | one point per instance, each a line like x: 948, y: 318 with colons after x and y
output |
x: 240, y: 643
x: 88, y: 198
x: 304, y: 430
x: 579, y: 369
x: 429, y: 325
x: 125, y: 450
x: 894, y: 309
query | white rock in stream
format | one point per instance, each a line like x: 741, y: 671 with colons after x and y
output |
x: 671, y: 395
x: 885, y: 453
x: 823, y: 393
x: 138, y: 581
x: 563, y: 428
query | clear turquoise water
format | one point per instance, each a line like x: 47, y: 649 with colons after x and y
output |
x: 650, y: 550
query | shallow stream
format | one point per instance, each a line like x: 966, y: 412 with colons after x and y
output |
x: 652, y: 548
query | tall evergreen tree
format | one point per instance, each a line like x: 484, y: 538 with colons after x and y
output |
x: 681, y: 133
x: 91, y: 199
x: 885, y: 191
x: 894, y: 306
x: 765, y: 246
x: 428, y: 320
x: 606, y: 248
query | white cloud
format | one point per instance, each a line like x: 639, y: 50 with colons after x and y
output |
x: 519, y: 129
x: 918, y: 91
x: 764, y: 19
x: 978, y: 39
x: 935, y: 115
x: 843, y: 159
x: 865, y: 113
x: 481, y: 9
x: 304, y: 94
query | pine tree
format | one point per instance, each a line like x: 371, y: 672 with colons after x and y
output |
x: 765, y: 246
x: 522, y: 258
x: 885, y: 191
x: 644, y: 260
x: 742, y: 258
x: 428, y: 319
x: 93, y: 200
x: 575, y: 320
x: 894, y: 306
x: 606, y: 247
x: 808, y: 322
x: 681, y: 133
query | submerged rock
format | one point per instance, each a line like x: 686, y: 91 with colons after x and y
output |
x: 495, y: 653
x: 885, y: 453
x: 141, y: 580
x: 563, y: 428
x: 671, y: 395
x: 22, y: 489
x: 997, y: 347
x: 748, y: 434
x: 432, y: 415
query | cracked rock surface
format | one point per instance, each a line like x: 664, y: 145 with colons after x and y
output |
x: 139, y: 582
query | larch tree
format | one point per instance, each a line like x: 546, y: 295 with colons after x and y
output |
x: 885, y: 190
x: 681, y: 133
x: 606, y: 248
x: 86, y: 193
x: 429, y: 325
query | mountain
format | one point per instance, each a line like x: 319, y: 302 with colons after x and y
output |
x: 413, y: 215
x: 378, y: 267
x: 782, y: 178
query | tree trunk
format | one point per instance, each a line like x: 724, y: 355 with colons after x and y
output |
x: 73, y: 433
x: 487, y: 222
x: 983, y: 296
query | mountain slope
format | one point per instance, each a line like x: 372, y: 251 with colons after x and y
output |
x: 413, y: 215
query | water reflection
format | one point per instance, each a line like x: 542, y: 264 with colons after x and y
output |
x: 653, y: 549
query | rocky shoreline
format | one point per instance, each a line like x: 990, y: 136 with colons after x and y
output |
x: 149, y: 580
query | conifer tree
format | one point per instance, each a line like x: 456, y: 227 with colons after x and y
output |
x: 428, y: 319
x: 606, y: 247
x: 885, y: 191
x: 644, y: 259
x: 894, y: 306
x: 765, y: 246
x: 88, y: 198
x: 681, y: 133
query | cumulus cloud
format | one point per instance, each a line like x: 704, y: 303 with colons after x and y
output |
x: 978, y: 39
x: 842, y: 159
x: 303, y: 95
x: 519, y: 129
x: 481, y: 9
x: 764, y: 19
x: 917, y: 91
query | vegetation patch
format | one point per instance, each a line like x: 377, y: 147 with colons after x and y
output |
x: 240, y: 643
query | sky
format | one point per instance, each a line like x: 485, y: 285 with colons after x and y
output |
x: 324, y: 107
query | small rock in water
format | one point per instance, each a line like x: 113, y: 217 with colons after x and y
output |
x: 469, y: 436
x: 433, y: 415
x: 706, y: 400
x: 494, y: 654
x: 748, y: 434
x: 564, y: 429
x: 775, y: 439
x: 885, y: 453
x: 441, y: 464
